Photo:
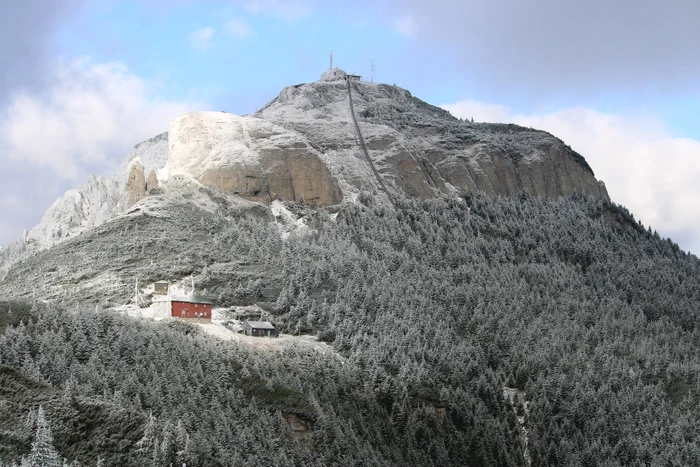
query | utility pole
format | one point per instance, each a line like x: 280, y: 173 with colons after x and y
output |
x: 372, y: 70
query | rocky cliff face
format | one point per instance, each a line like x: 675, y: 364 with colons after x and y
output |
x: 99, y: 200
x: 135, y: 186
x: 302, y: 145
x: 423, y: 151
x: 250, y: 157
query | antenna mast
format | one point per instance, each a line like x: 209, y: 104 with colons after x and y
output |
x: 372, y: 70
x: 137, y: 297
x: 331, y: 67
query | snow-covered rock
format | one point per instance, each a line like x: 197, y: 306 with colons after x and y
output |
x: 253, y: 158
x: 96, y: 202
x: 76, y: 211
x: 334, y: 74
x: 303, y: 144
x: 287, y: 221
x: 421, y: 150
x: 152, y: 153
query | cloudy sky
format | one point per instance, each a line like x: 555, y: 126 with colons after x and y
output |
x: 84, y: 80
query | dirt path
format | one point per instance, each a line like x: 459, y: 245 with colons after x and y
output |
x: 267, y: 343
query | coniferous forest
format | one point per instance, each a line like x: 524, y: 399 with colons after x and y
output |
x: 471, y: 330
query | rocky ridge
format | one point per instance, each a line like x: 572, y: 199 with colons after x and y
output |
x: 100, y: 199
x: 422, y: 150
x: 302, y: 146
x: 250, y: 157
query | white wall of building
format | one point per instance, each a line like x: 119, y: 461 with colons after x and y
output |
x: 162, y: 308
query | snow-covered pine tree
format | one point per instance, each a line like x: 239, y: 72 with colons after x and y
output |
x: 71, y: 390
x: 182, y: 442
x: 43, y: 453
x: 145, y: 444
x: 30, y: 369
x: 168, y: 449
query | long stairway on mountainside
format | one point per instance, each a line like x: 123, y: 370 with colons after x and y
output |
x: 363, y: 146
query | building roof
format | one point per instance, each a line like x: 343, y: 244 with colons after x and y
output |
x: 260, y: 324
x: 193, y: 299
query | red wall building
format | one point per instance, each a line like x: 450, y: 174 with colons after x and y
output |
x: 190, y: 309
x: 182, y: 307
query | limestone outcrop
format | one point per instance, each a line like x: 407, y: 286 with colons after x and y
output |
x: 302, y: 145
x: 253, y: 158
x: 76, y: 211
x: 421, y: 150
x: 99, y: 200
x: 135, y: 187
x: 152, y: 181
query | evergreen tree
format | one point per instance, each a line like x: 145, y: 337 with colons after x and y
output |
x: 147, y: 442
x: 43, y: 453
x: 182, y: 442
x: 70, y: 391
x: 167, y: 446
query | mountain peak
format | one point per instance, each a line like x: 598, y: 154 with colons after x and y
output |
x: 310, y: 144
x: 422, y: 150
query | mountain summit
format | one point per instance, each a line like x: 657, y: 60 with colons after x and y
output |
x: 421, y: 150
x: 418, y: 327
x: 310, y: 143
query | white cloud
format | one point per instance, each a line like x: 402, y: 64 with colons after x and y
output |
x: 89, y: 110
x: 644, y: 167
x: 551, y: 47
x: 285, y: 9
x: 239, y: 29
x: 85, y: 122
x: 405, y: 25
x: 201, y: 39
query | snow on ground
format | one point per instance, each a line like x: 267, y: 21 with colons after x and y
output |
x: 224, y: 332
x: 136, y: 312
x: 287, y: 221
x: 518, y: 398
x: 227, y: 322
x: 182, y: 288
x: 225, y: 327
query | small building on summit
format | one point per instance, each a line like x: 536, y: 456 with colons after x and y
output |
x: 259, y: 329
x: 193, y: 307
x: 161, y: 288
x: 354, y: 77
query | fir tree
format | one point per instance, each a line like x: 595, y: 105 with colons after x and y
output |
x: 146, y: 443
x: 182, y: 441
x: 43, y: 453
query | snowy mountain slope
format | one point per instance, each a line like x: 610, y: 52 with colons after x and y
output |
x: 188, y: 230
x: 421, y: 150
x: 302, y: 145
x: 90, y: 205
x: 99, y: 200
